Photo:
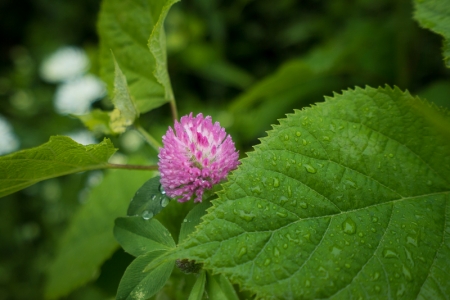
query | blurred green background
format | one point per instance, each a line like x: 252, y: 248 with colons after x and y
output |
x: 247, y: 63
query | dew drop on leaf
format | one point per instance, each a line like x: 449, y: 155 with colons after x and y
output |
x: 407, y: 273
x: 282, y: 215
x: 389, y: 253
x: 276, y: 182
x: 242, y: 251
x: 310, y: 169
x: 303, y: 205
x: 147, y: 215
x: 276, y: 252
x: 267, y: 262
x: 298, y: 133
x: 349, y: 226
x: 165, y: 201
x: 411, y: 240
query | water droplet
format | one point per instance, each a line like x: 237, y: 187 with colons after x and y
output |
x: 407, y: 273
x: 267, y: 262
x: 375, y: 276
x: 350, y: 183
x: 303, y: 205
x: 242, y: 251
x: 285, y: 246
x: 377, y: 288
x: 147, y: 215
x: 289, y: 191
x: 283, y: 200
x: 347, y: 266
x: 276, y: 252
x: 349, y: 226
x: 153, y: 197
x: 374, y: 219
x: 307, y: 283
x: 373, y: 229
x: 246, y: 216
x: 389, y: 253
x: 361, y: 234
x: 165, y: 202
x: 391, y: 155
x: 304, y: 142
x: 411, y: 240
x: 326, y: 138
x: 161, y: 190
x: 298, y: 133
x: 336, y: 251
x: 310, y: 169
x: 286, y: 137
x: 185, y: 220
x: 281, y: 214
x: 276, y: 182
x: 256, y: 189
x: 401, y: 290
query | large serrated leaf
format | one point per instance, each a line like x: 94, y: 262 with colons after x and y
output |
x: 124, y: 27
x: 89, y: 239
x: 435, y: 15
x: 59, y: 156
x: 346, y: 199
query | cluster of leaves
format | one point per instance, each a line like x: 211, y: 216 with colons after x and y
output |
x: 347, y: 198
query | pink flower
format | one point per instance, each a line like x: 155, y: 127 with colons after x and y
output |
x: 195, y: 157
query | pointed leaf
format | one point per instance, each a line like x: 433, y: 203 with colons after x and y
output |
x: 434, y: 15
x: 138, y: 236
x: 59, y: 156
x: 199, y: 287
x: 89, y: 240
x: 346, y: 199
x: 193, y: 218
x: 125, y: 110
x: 124, y: 27
x: 97, y: 121
x: 136, y: 284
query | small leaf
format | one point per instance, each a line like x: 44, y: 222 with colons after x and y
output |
x: 125, y: 111
x: 219, y: 288
x: 346, y: 199
x: 192, y: 219
x: 89, y: 239
x: 149, y: 200
x: 97, y: 121
x: 137, y: 284
x: 199, y: 287
x: 59, y: 156
x: 138, y: 236
x: 434, y: 15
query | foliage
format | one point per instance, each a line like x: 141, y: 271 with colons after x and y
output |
x: 343, y: 199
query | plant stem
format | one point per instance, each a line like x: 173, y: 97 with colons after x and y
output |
x: 173, y: 108
x: 148, y: 138
x: 132, y: 167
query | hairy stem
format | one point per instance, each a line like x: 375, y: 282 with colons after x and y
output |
x: 148, y: 138
x: 132, y: 167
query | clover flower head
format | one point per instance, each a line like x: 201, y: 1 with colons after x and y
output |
x: 194, y: 157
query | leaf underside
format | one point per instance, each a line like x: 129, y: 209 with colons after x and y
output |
x: 59, y: 156
x: 343, y: 200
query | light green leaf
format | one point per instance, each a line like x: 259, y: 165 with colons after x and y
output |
x: 124, y: 27
x: 137, y: 285
x: 59, y: 156
x: 343, y: 200
x: 435, y: 15
x: 89, y: 240
x: 138, y: 236
x: 199, y: 287
x: 97, y: 121
x: 125, y: 110
x: 157, y: 46
x: 219, y: 288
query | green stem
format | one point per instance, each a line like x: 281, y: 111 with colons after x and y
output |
x: 148, y: 138
x: 132, y: 167
x: 173, y: 108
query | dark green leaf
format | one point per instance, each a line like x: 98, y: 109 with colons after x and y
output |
x: 149, y: 200
x: 137, y: 284
x: 89, y: 240
x: 434, y: 15
x: 219, y: 288
x: 138, y: 236
x: 59, y: 156
x: 346, y: 199
x: 192, y: 219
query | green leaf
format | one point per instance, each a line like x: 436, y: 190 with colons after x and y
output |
x: 89, y: 240
x: 193, y: 218
x: 59, y: 156
x: 124, y: 27
x: 149, y: 200
x: 125, y: 110
x: 136, y: 284
x: 219, y: 288
x: 343, y: 200
x: 138, y: 236
x: 157, y: 46
x: 199, y: 287
x: 434, y: 15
